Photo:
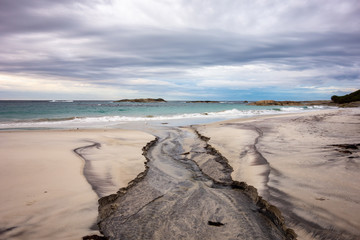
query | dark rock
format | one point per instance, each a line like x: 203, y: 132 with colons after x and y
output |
x: 350, y: 104
x: 270, y: 211
x: 202, y: 102
x: 306, y: 103
x: 216, y: 224
x: 142, y: 100
x: 290, y: 234
x: 352, y: 97
x: 275, y: 215
x: 276, y: 103
x: 262, y: 204
x: 94, y: 237
x: 248, y: 189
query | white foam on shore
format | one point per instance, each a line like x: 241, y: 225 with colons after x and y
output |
x: 61, y: 101
x: 103, y: 121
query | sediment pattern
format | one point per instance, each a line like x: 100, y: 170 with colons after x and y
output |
x: 313, y: 165
x: 186, y: 192
x: 96, y: 182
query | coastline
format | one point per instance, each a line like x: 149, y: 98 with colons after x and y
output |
x: 257, y: 140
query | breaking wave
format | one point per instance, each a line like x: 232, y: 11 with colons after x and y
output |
x: 113, y: 120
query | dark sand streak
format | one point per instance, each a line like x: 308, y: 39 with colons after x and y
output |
x: 287, y: 203
x: 94, y: 180
x: 186, y: 192
x: 259, y: 158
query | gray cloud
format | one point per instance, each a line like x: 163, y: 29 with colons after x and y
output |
x: 103, y: 43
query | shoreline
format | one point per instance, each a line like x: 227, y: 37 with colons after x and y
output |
x: 230, y: 129
x: 111, y: 115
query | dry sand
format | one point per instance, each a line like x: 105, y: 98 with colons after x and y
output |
x: 299, y: 164
x: 44, y: 194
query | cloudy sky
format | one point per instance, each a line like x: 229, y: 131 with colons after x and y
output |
x: 179, y: 49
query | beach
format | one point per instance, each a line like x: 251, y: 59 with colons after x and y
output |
x: 305, y: 164
x: 44, y: 193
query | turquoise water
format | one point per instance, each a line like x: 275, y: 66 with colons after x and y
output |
x: 63, y: 114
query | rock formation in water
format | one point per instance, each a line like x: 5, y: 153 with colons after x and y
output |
x: 202, y: 101
x: 142, y: 100
x: 276, y: 103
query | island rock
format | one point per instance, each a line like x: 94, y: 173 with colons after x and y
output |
x: 276, y: 103
x: 202, y: 101
x: 142, y: 100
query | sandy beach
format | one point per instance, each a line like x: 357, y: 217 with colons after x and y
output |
x: 305, y: 164
x: 44, y: 194
x: 179, y: 120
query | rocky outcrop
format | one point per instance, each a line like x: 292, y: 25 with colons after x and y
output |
x: 337, y: 102
x: 350, y: 104
x: 142, y: 100
x: 352, y: 97
x: 202, y: 102
x: 276, y: 103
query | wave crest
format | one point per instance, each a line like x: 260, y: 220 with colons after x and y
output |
x: 113, y: 120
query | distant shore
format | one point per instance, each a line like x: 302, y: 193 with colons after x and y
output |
x: 142, y: 100
x: 305, y: 103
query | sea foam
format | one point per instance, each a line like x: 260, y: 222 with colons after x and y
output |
x: 103, y: 121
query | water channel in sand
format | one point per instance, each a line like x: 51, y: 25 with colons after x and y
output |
x: 186, y: 193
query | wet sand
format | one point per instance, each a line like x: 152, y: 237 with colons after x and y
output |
x: 305, y: 164
x: 187, y: 193
x: 44, y: 194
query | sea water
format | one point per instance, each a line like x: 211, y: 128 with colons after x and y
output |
x: 88, y: 114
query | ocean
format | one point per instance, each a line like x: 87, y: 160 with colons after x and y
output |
x: 95, y: 114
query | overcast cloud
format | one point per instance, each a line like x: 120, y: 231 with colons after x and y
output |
x: 221, y: 50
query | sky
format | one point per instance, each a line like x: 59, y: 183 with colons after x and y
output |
x: 179, y: 49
